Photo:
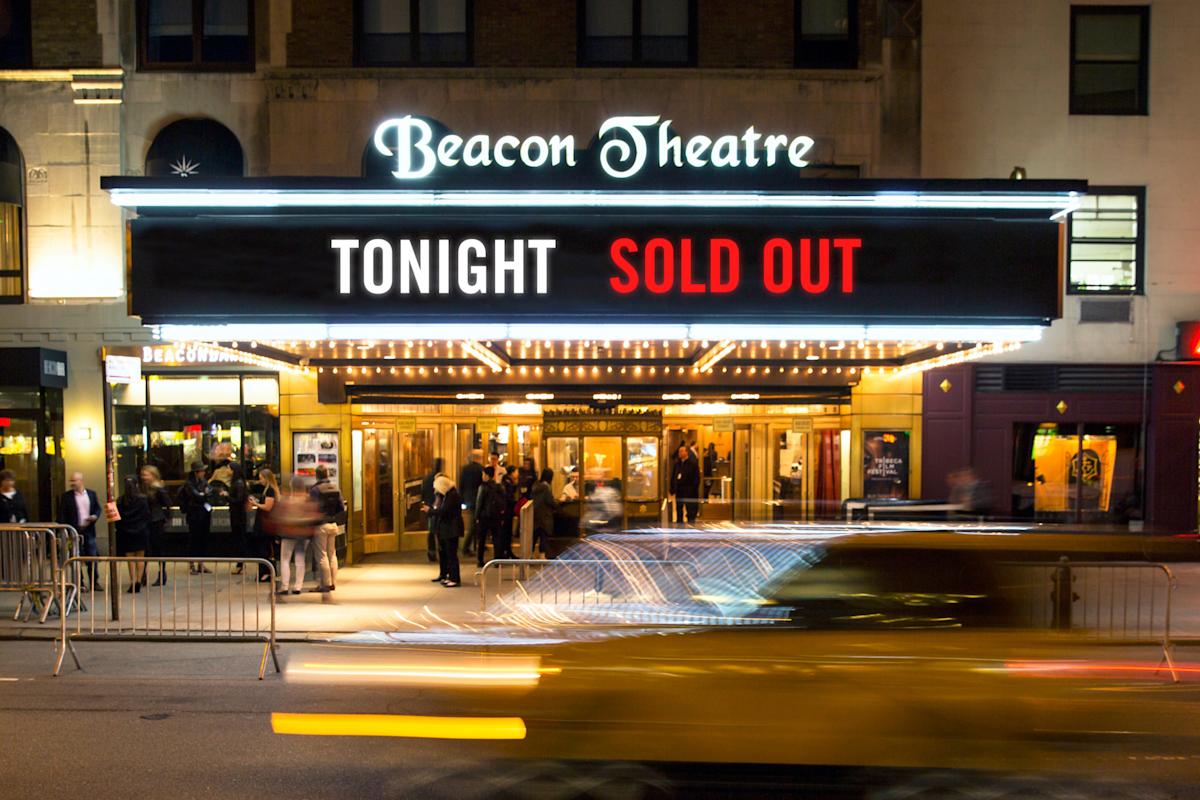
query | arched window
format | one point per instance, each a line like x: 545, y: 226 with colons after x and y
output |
x: 199, y: 148
x: 12, y: 220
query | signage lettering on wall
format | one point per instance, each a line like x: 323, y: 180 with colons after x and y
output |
x: 632, y: 143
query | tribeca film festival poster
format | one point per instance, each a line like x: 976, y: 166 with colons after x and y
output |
x: 885, y: 465
x: 313, y: 448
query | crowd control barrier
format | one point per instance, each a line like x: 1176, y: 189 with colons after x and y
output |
x: 32, y: 560
x: 202, y: 601
x: 1113, y: 602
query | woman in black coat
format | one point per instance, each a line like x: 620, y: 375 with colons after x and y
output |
x: 133, y: 530
x: 160, y: 513
x: 445, y: 516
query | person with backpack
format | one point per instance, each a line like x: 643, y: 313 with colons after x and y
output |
x: 329, y: 500
x: 489, y: 512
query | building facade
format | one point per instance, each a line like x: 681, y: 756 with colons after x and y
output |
x: 191, y: 91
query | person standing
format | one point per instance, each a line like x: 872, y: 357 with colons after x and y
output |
x: 80, y: 508
x: 468, y: 486
x: 544, y: 506
x: 426, y: 504
x: 685, y: 486
x: 294, y: 519
x: 527, y: 476
x: 160, y: 512
x: 237, y: 494
x: 489, y: 510
x: 329, y: 500
x: 260, y: 542
x: 193, y: 502
x: 133, y: 530
x: 12, y: 502
x: 447, y: 521
x: 508, y: 485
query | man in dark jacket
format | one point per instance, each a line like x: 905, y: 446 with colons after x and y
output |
x: 80, y: 508
x: 685, y: 485
x: 426, y: 504
x: 489, y: 512
x: 468, y: 486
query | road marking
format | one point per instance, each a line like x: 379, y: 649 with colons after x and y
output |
x: 398, y: 725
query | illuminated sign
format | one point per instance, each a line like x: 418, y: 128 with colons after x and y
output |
x: 629, y: 144
x: 122, y: 369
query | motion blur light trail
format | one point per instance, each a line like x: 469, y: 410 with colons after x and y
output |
x: 420, y: 669
x: 411, y: 727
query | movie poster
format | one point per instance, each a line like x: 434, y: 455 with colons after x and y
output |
x: 313, y: 448
x: 885, y: 465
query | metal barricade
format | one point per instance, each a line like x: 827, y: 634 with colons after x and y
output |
x: 208, y: 600
x: 1113, y: 602
x: 587, y: 581
x: 31, y: 558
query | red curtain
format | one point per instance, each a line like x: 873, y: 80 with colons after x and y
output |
x: 827, y: 500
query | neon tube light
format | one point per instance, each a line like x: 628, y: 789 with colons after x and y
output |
x: 330, y: 198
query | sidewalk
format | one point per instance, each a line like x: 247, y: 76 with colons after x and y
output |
x: 375, y: 594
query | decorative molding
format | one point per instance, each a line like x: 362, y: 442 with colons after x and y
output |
x: 602, y: 423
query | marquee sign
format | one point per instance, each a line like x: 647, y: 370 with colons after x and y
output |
x: 596, y: 265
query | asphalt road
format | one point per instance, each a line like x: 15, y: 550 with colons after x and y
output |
x: 193, y: 721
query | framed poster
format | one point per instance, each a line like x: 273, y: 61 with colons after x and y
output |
x: 311, y: 449
x: 885, y: 465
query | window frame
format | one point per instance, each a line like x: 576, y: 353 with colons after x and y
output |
x: 1143, y: 12
x: 1139, y: 270
x: 414, y: 24
x: 828, y: 55
x: 636, y: 61
x: 197, y: 64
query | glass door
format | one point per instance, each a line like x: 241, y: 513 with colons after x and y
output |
x: 1077, y: 472
x: 742, y: 500
x: 789, y: 484
x: 603, y: 484
x: 378, y: 482
x: 418, y: 461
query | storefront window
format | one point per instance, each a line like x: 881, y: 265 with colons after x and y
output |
x: 562, y: 456
x: 1077, y: 473
x: 31, y: 433
x: 641, y: 470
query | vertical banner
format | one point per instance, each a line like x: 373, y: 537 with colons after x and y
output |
x: 885, y: 465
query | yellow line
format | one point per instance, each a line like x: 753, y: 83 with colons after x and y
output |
x: 398, y: 725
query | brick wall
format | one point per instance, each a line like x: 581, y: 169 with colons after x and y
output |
x: 525, y: 33
x: 751, y: 33
x: 322, y: 34
x: 64, y: 33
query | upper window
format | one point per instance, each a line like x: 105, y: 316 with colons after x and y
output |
x: 15, y: 51
x: 1110, y: 59
x: 12, y: 221
x: 827, y: 34
x: 1107, y: 242
x: 402, y: 33
x: 196, y: 34
x: 195, y: 148
x: 637, y: 32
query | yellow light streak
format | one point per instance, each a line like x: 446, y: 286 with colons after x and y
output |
x: 396, y: 725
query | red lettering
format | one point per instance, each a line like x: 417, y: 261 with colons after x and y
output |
x: 770, y: 251
x: 654, y: 248
x: 724, y: 250
x: 617, y: 252
x: 806, y: 280
x: 847, y: 246
x: 686, y: 284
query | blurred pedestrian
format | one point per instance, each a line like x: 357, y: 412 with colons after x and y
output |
x: 133, y: 530
x: 150, y: 482
x: 468, y: 485
x: 294, y: 520
x: 527, y: 476
x: 261, y: 543
x: 196, y: 509
x: 12, y: 502
x: 508, y: 485
x: 329, y: 501
x: 236, y: 493
x: 446, y: 514
x: 80, y: 508
x: 544, y: 506
x: 685, y: 485
x: 426, y: 502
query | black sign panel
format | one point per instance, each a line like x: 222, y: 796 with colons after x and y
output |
x: 739, y: 265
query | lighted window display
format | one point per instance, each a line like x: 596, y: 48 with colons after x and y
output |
x: 641, y: 469
x: 182, y: 419
x: 562, y: 456
x: 1077, y: 473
